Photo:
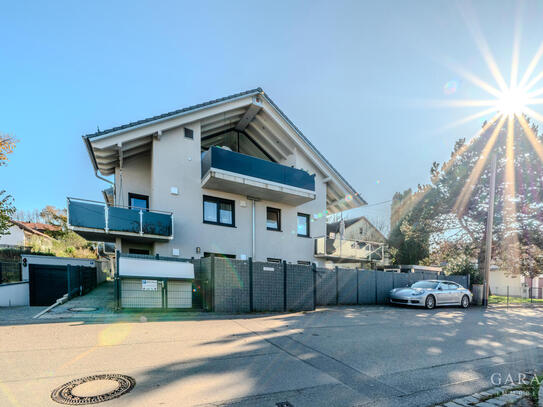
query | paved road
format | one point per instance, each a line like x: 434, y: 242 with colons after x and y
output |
x: 343, y: 356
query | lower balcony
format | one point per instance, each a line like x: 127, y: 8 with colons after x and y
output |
x: 96, y: 221
x: 342, y: 250
x: 228, y: 171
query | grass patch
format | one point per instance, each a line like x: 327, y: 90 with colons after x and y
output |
x: 501, y: 299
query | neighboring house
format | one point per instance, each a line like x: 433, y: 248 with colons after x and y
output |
x: 352, y: 243
x: 233, y: 177
x: 359, y: 228
x: 503, y: 283
x: 21, y: 232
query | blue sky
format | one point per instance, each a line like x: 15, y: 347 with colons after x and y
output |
x: 351, y: 75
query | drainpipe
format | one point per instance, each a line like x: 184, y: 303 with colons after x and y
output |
x: 253, y: 235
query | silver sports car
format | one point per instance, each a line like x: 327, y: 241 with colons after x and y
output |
x: 431, y: 293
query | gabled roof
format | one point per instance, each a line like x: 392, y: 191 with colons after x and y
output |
x: 346, y: 198
x: 333, y: 227
x: 173, y: 113
x: 36, y: 228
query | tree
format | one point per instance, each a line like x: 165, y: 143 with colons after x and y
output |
x: 7, y: 144
x: 453, y: 208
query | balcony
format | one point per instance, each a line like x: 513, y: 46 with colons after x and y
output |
x: 97, y: 221
x: 342, y: 250
x: 228, y: 171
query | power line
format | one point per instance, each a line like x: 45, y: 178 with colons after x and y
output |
x: 375, y: 204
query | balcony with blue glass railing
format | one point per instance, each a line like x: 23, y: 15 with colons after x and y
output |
x: 228, y: 171
x: 97, y: 221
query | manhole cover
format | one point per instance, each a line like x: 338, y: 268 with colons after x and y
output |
x: 93, y: 389
x: 83, y: 309
x: 284, y: 404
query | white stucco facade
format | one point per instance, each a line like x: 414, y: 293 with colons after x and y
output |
x: 157, y: 160
x: 14, y: 237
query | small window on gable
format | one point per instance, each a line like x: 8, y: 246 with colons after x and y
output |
x: 189, y: 133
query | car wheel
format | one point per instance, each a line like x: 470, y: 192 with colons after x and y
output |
x: 465, y: 302
x: 430, y: 302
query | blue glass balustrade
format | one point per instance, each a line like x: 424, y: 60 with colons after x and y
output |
x: 223, y: 159
x: 83, y: 214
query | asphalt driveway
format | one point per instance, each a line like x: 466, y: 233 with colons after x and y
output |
x: 341, y: 356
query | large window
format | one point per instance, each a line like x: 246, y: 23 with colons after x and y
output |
x: 303, y: 225
x: 138, y: 201
x: 218, y: 211
x: 273, y: 219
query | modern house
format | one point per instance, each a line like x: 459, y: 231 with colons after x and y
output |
x: 232, y: 177
x: 354, y: 242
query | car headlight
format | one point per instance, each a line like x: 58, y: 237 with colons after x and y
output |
x: 418, y: 293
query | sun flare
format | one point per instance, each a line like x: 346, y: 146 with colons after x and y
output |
x: 513, y: 101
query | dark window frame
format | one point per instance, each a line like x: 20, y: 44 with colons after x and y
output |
x: 278, y: 212
x: 303, y: 263
x: 134, y: 250
x: 138, y: 196
x: 305, y: 215
x: 221, y: 255
x: 218, y: 201
x: 273, y: 260
x: 188, y: 133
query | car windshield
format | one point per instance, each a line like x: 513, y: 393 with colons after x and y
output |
x: 424, y: 284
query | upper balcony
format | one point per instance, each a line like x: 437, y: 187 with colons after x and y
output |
x: 97, y: 221
x: 343, y: 250
x: 228, y: 171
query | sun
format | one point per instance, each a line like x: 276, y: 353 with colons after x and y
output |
x: 513, y: 101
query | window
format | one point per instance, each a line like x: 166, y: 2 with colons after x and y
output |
x: 303, y: 225
x: 189, y: 133
x: 222, y: 255
x: 138, y: 251
x: 218, y: 211
x: 138, y: 202
x: 273, y: 260
x: 303, y: 263
x: 273, y: 219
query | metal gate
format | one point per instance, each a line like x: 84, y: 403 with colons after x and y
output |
x: 47, y: 283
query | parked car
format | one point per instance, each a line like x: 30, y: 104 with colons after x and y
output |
x: 432, y: 293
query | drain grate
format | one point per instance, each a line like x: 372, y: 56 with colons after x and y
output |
x: 284, y: 404
x: 93, y: 389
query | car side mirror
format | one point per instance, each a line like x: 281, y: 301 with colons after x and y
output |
x: 440, y: 288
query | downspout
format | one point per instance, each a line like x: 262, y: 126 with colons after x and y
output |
x: 93, y: 160
x: 253, y: 234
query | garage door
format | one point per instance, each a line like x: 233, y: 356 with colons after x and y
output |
x: 179, y: 294
x: 47, y: 283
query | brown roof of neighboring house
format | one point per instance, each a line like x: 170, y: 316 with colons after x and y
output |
x: 42, y: 227
x: 27, y: 226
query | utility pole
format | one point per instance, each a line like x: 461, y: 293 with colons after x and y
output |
x: 489, y: 226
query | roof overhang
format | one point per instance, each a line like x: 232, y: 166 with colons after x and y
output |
x: 252, y: 112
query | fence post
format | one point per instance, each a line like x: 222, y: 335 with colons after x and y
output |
x: 357, y: 296
x: 337, y: 285
x: 250, y: 284
x: 69, y: 272
x: 375, y: 285
x: 284, y: 286
x: 117, y: 282
x: 212, y: 264
x: 468, y: 279
x: 314, y: 269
